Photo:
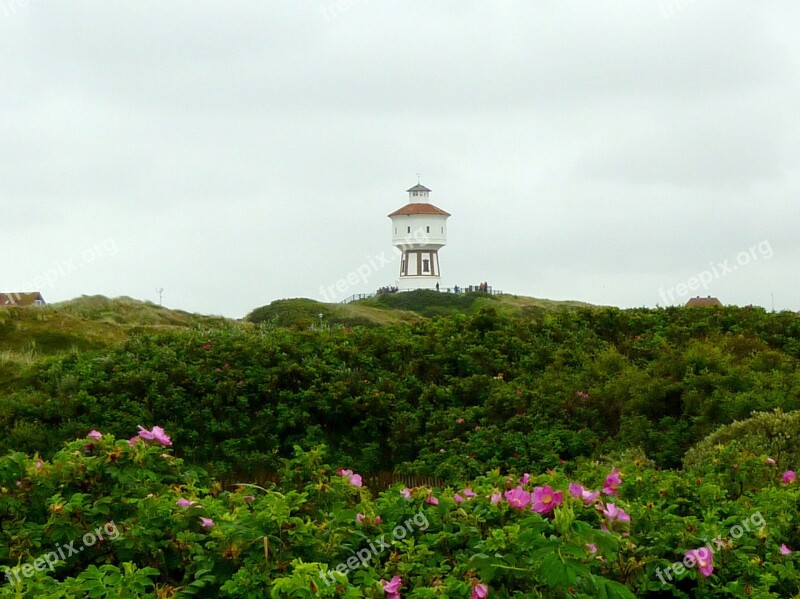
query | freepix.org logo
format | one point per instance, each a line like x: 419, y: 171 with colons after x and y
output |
x: 62, y: 552
x: 375, y: 547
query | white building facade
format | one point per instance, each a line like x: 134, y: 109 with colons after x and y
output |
x: 419, y: 231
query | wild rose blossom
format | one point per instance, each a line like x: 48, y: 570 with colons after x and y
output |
x: 406, y: 492
x: 354, y: 479
x: 613, y: 482
x: 588, y: 497
x: 613, y: 513
x: 480, y: 591
x: 206, y: 522
x: 95, y: 435
x: 496, y: 498
x: 359, y: 517
x: 518, y: 497
x: 392, y: 587
x: 789, y: 477
x: 545, y: 499
x: 157, y: 434
x: 457, y: 498
x: 431, y: 500
x: 704, y: 560
x: 785, y: 550
x: 185, y: 502
x: 469, y: 493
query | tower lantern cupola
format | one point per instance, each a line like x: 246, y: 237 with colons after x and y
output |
x: 418, y: 193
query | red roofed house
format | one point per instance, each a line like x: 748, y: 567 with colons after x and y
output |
x: 21, y: 299
x: 419, y: 231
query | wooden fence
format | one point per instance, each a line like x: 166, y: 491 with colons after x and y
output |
x: 379, y: 481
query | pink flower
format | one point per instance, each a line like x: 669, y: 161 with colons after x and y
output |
x: 577, y: 491
x: 39, y: 464
x: 206, y: 522
x: 518, y: 497
x: 157, y: 434
x: 432, y: 500
x: 591, y: 547
x: 392, y: 587
x: 457, y: 498
x: 526, y: 478
x: 785, y: 550
x: 469, y: 493
x: 185, y: 502
x: 613, y: 481
x: 789, y: 477
x: 96, y: 435
x: 480, y: 591
x: 207, y: 346
x: 355, y: 479
x: 359, y: 517
x: 496, y: 498
x: 545, y: 499
x: 613, y: 513
x: 160, y: 436
x: 133, y: 440
x: 703, y: 558
x: 378, y: 520
x: 406, y: 492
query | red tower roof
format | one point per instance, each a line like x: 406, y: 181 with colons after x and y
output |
x: 418, y: 208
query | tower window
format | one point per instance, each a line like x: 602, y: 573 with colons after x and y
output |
x: 409, y: 229
x: 426, y: 266
x: 442, y: 230
x: 427, y: 229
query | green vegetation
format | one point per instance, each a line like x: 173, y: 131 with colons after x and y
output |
x: 448, y: 397
x: 699, y: 409
x: 108, y: 518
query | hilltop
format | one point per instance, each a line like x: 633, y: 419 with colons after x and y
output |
x: 83, y: 324
x: 396, y: 308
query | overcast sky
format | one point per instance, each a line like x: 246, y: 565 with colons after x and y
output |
x: 233, y: 153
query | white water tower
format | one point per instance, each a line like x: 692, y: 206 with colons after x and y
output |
x: 419, y: 229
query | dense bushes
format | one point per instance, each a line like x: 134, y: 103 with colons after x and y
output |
x: 448, y: 397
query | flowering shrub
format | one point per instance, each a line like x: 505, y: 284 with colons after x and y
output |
x: 183, y: 534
